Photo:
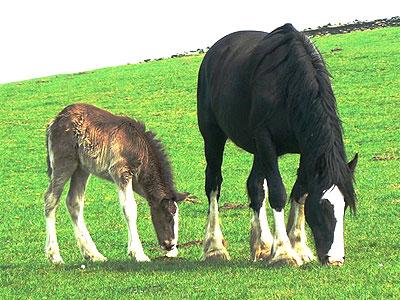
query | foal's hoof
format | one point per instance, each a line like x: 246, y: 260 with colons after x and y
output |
x: 139, y: 257
x: 95, y: 257
x: 55, y: 259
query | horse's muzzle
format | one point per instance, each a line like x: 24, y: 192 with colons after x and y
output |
x: 330, y: 261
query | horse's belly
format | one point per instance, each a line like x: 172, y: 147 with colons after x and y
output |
x: 240, y: 136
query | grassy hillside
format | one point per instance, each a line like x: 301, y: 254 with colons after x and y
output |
x: 366, y: 79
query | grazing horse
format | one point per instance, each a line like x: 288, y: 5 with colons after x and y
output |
x: 271, y: 94
x: 84, y: 140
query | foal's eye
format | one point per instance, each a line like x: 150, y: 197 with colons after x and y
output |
x: 172, y: 207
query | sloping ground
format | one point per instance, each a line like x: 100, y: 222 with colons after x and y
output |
x: 365, y: 69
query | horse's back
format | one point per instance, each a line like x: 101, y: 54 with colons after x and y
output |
x: 222, y: 78
x: 240, y: 84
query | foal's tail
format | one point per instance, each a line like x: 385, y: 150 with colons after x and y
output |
x: 49, y: 169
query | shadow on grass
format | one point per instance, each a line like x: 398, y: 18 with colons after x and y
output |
x: 177, y: 264
x: 160, y: 264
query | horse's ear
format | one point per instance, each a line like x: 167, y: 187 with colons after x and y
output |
x: 353, y: 163
x: 181, y: 196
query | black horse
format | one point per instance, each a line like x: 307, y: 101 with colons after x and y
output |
x: 270, y: 93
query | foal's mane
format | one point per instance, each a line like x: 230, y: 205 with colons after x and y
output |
x: 156, y: 156
x: 312, y: 108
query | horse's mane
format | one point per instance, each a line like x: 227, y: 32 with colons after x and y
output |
x: 302, y: 75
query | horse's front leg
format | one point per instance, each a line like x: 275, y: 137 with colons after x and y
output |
x: 282, y: 252
x: 129, y: 208
x: 296, y: 224
x: 260, y: 235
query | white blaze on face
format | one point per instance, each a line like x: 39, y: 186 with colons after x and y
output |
x: 336, y: 198
x: 174, y: 251
x: 175, y: 240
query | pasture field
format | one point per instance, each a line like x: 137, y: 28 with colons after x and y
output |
x: 366, y: 79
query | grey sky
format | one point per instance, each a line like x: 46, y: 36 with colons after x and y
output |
x: 48, y: 37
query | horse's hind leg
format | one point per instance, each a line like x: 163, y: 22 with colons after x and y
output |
x: 214, y: 142
x: 260, y: 235
x: 75, y: 204
x: 295, y: 226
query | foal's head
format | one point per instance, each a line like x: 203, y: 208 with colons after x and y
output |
x: 324, y: 210
x: 164, y: 215
x: 156, y: 180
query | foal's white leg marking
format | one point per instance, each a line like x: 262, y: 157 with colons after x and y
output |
x: 336, y: 198
x: 174, y: 251
x: 297, y: 234
x: 261, y: 238
x: 52, y: 249
x: 282, y: 251
x: 83, y: 238
x: 129, y: 207
x: 213, y: 242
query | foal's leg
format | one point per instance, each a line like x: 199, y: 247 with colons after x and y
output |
x: 75, y: 204
x: 129, y: 208
x: 214, y: 142
x: 60, y: 169
x: 295, y: 225
x: 260, y: 235
x: 52, y: 201
x: 282, y: 251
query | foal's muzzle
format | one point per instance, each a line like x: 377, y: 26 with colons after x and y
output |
x: 167, y: 245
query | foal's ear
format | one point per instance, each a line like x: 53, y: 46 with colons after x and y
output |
x: 181, y: 196
x: 353, y: 163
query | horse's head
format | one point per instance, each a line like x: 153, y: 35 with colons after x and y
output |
x: 324, y: 212
x: 164, y: 215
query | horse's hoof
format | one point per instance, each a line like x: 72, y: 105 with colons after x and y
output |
x: 335, y: 264
x: 215, y: 249
x: 216, y: 254
x: 285, y: 259
x: 284, y: 255
x: 306, y: 255
x: 261, y: 252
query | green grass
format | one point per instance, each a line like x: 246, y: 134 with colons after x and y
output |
x: 162, y: 93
